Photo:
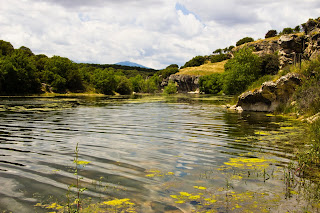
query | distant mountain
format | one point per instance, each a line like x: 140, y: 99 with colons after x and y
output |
x: 131, y: 64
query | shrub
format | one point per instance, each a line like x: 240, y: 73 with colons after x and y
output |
x: 150, y: 85
x: 244, y: 40
x: 297, y: 29
x: 104, y: 81
x: 211, y: 84
x: 137, y: 83
x: 18, y: 75
x: 241, y: 71
x: 124, y: 85
x: 287, y: 30
x: 218, y: 51
x: 308, y: 94
x: 219, y: 58
x: 171, y: 88
x: 271, y: 33
x: 195, y: 62
x: 6, y: 48
x: 270, y: 64
x: 171, y: 69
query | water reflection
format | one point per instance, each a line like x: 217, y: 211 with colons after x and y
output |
x: 145, y: 148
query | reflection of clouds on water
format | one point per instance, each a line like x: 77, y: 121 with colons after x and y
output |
x: 182, y: 142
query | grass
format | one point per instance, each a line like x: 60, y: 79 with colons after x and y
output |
x: 205, y: 69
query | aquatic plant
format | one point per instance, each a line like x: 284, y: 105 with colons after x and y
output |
x: 76, y: 204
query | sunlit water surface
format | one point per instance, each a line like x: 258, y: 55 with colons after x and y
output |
x: 148, y: 150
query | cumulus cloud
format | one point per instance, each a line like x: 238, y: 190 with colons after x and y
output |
x: 154, y: 33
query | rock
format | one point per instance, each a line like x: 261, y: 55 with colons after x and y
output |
x: 311, y: 25
x: 292, y: 48
x: 270, y: 95
x: 313, y: 118
x: 186, y: 83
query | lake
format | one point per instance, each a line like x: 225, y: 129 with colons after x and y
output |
x: 164, y: 153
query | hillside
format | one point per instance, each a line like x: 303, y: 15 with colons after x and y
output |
x: 206, y: 69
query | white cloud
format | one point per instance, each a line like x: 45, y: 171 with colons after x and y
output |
x: 154, y: 33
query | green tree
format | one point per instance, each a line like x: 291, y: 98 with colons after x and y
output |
x: 270, y: 64
x: 124, y: 85
x: 104, y: 81
x: 287, y: 30
x: 6, y: 48
x: 151, y: 85
x: 171, y: 88
x: 63, y: 74
x: 211, y: 84
x: 18, y: 74
x: 241, y: 71
x: 230, y: 48
x: 219, y: 58
x: 195, y: 62
x: 297, y: 29
x: 26, y: 51
x: 137, y: 83
x: 171, y: 69
x: 271, y: 33
x: 218, y: 51
x: 244, y: 40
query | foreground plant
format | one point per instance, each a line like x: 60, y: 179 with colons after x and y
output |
x: 75, y: 203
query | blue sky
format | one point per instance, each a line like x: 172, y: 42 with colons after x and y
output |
x: 154, y: 33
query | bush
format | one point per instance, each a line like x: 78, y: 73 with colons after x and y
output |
x: 195, y: 62
x: 151, y: 85
x: 219, y: 58
x: 171, y: 88
x: 124, y: 85
x: 287, y: 30
x: 6, y: 48
x: 241, y: 71
x: 104, y: 81
x: 171, y: 69
x: 18, y: 75
x: 137, y: 83
x: 271, y: 33
x: 270, y: 64
x: 211, y: 84
x: 297, y: 29
x: 59, y: 84
x: 308, y: 94
x: 244, y: 40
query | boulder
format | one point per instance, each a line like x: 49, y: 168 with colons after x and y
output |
x: 270, y: 95
x: 186, y: 83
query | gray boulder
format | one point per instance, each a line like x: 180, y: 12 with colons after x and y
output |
x: 270, y: 95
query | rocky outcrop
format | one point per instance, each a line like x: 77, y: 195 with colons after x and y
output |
x: 186, y: 83
x: 265, y: 47
x: 270, y: 95
x: 291, y: 48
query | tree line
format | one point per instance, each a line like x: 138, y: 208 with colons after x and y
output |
x: 22, y: 72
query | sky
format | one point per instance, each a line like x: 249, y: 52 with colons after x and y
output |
x: 154, y: 33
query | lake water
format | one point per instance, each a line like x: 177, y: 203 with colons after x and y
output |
x: 165, y: 154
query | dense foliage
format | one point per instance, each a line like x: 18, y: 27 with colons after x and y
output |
x: 270, y: 64
x: 22, y: 72
x: 195, y: 62
x: 244, y: 40
x: 211, y: 84
x: 241, y: 71
x: 219, y: 58
x: 271, y: 33
x: 171, y: 88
